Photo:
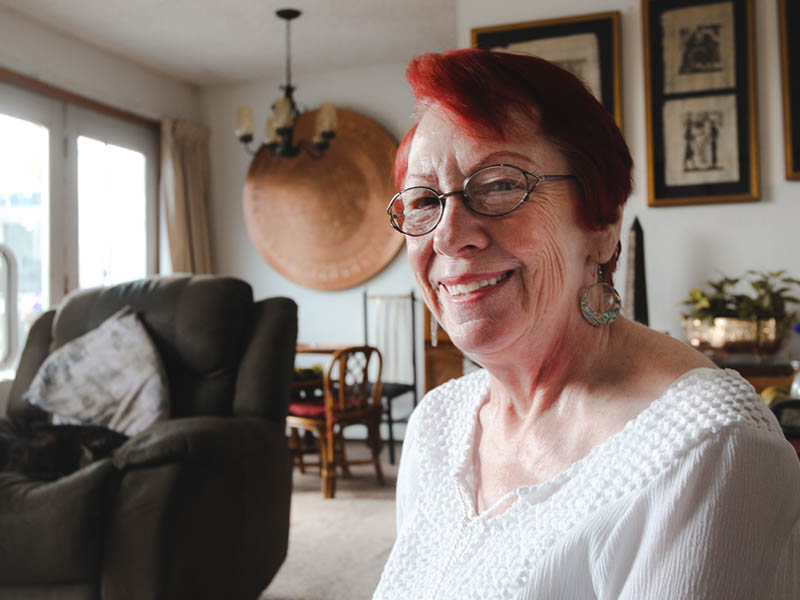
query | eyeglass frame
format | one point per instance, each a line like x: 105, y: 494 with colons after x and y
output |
x: 462, y: 192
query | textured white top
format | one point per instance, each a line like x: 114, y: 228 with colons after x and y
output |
x: 698, y: 497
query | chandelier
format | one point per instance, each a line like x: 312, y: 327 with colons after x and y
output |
x: 280, y: 123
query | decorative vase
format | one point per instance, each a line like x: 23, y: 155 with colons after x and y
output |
x: 736, y: 335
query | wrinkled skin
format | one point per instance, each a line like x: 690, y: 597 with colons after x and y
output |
x: 549, y: 256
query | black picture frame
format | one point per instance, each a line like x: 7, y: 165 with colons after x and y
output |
x: 702, y: 139
x: 789, y: 25
x: 605, y: 27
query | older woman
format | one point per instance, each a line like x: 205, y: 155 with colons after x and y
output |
x: 591, y: 457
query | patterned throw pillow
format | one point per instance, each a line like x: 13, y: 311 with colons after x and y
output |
x: 111, y: 376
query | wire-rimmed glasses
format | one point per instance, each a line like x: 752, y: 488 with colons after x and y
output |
x: 491, y: 191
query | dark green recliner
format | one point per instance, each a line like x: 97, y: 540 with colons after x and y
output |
x: 193, y: 507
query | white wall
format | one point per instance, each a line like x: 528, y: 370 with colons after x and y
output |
x: 685, y: 246
x: 380, y: 93
x: 63, y: 61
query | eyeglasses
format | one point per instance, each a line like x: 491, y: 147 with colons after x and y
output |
x: 491, y: 191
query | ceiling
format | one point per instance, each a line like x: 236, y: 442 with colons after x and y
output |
x: 218, y: 42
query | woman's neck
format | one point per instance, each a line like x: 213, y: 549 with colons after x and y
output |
x: 574, y: 359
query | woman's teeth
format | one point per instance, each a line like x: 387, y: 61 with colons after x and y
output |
x: 461, y: 289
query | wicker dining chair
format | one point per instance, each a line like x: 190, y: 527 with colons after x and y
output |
x: 351, y: 396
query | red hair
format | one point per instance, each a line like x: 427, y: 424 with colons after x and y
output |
x: 479, y: 88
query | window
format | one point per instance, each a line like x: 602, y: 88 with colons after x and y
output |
x: 112, y: 247
x: 77, y: 201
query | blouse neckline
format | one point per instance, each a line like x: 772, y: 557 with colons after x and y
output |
x: 464, y: 470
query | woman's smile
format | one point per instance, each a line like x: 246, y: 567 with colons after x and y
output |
x: 473, y: 286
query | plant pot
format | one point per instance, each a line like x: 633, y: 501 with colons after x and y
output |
x: 736, y: 335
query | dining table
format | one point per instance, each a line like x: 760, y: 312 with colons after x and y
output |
x: 305, y: 348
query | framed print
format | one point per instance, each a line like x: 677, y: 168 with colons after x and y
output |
x: 789, y: 23
x: 586, y: 45
x: 700, y: 101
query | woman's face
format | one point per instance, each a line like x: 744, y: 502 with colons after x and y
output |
x: 531, y: 265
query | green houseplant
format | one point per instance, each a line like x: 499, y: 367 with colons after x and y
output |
x: 720, y: 318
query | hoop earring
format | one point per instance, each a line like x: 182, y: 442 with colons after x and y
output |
x: 610, y: 299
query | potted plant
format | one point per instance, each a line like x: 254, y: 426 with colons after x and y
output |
x: 722, y: 319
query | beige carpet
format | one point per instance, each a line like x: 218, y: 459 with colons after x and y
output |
x: 337, y: 548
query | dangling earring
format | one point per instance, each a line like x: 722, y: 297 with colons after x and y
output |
x: 610, y: 303
x: 434, y: 331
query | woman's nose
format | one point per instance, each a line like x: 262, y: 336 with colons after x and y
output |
x: 460, y: 230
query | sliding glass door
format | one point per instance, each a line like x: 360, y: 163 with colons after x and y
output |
x: 31, y: 128
x: 116, y: 198
x: 77, y: 203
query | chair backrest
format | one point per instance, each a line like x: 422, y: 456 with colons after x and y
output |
x: 390, y: 325
x: 352, y: 382
x: 214, y: 341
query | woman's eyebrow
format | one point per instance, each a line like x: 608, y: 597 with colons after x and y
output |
x: 505, y: 157
x: 426, y: 177
x: 500, y: 156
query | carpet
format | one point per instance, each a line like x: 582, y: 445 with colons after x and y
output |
x: 337, y: 547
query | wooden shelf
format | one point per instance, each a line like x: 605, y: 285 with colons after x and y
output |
x: 761, y: 371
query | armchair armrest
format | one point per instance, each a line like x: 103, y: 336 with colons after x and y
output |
x: 52, y: 531
x: 197, y: 439
x: 207, y: 498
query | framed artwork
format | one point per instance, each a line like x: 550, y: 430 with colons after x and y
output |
x: 700, y: 101
x: 789, y: 24
x: 586, y: 45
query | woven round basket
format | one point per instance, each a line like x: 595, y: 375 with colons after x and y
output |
x: 322, y: 223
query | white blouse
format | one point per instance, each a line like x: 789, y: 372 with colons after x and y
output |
x: 698, y: 497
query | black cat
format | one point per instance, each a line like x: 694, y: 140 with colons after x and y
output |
x: 47, y: 452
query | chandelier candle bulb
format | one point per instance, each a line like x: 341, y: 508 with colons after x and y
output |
x: 244, y: 122
x: 283, y: 113
x: 326, y: 118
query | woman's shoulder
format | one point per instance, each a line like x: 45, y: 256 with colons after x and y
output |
x: 706, y: 404
x: 691, y: 381
x: 659, y: 356
x: 703, y: 417
x: 646, y: 364
x: 684, y: 393
x: 728, y: 431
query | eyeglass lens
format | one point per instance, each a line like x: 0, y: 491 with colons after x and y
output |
x: 492, y: 191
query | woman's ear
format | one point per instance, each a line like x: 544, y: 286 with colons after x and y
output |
x: 606, y: 239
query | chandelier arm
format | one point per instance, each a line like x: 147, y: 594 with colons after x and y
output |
x: 246, y: 144
x: 311, y: 149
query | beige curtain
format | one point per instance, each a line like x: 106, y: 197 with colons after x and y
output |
x: 184, y: 194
